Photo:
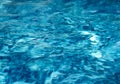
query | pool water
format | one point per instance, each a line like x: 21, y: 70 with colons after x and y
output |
x: 59, y: 41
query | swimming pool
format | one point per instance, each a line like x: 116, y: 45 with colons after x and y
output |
x: 59, y: 42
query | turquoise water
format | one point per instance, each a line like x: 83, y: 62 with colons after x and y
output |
x: 59, y: 42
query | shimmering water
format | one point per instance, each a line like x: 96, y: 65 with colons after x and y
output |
x: 59, y: 41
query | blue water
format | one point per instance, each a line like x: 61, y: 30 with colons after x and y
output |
x: 59, y: 41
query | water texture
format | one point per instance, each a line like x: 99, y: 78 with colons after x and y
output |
x: 59, y: 41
